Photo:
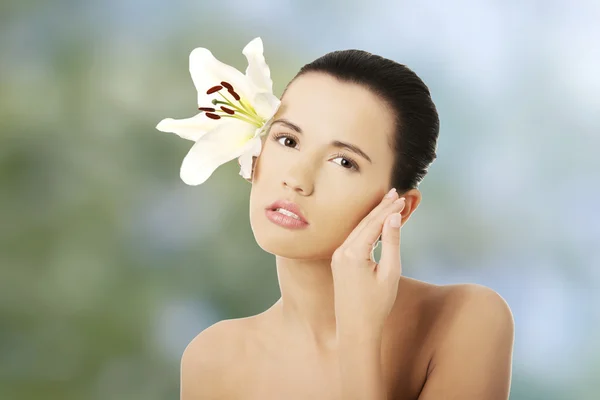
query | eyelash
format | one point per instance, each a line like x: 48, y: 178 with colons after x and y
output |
x: 353, y: 163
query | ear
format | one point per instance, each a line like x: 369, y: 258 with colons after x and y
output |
x: 413, y: 199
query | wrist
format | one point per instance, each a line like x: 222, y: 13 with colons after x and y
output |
x: 355, y: 336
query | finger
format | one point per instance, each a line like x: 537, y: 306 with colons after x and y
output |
x: 371, y: 232
x: 390, y: 264
x: 384, y: 203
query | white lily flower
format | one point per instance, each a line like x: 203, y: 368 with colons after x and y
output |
x: 234, y: 125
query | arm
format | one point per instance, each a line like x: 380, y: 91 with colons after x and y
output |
x: 360, y: 368
x: 364, y: 294
x: 473, y: 360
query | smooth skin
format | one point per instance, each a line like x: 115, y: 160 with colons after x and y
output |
x: 365, y: 291
x: 344, y: 326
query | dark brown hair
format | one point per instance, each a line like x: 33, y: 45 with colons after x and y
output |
x: 416, y: 118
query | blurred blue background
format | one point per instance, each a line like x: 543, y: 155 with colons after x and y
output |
x: 110, y: 264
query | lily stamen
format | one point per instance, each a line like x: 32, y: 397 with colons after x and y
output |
x: 230, y: 104
x: 213, y: 113
x: 230, y: 89
x: 231, y: 113
x: 227, y: 85
x: 251, y: 114
x: 234, y: 94
x: 248, y: 113
x: 242, y: 119
x: 214, y: 89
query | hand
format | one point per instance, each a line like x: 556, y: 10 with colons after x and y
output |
x: 365, y: 291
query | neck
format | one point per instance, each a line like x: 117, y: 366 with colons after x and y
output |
x: 306, y: 307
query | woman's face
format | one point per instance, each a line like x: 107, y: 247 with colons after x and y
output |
x: 334, y: 191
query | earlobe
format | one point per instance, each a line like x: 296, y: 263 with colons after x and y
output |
x: 415, y: 200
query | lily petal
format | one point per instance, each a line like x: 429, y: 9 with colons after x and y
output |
x: 258, y: 71
x: 189, y: 128
x: 227, y: 141
x: 266, y: 104
x: 207, y: 71
x: 246, y: 159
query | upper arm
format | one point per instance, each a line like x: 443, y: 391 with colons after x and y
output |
x: 202, y: 364
x: 473, y: 359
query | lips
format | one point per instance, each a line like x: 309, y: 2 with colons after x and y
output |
x: 290, y: 206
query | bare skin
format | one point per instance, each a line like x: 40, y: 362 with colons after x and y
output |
x: 438, y: 342
x: 250, y: 358
x: 406, y: 351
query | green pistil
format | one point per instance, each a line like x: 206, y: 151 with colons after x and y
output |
x: 230, y: 104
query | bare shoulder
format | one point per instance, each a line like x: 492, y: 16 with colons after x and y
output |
x: 472, y: 349
x: 457, y: 311
x: 469, y: 331
x: 206, y: 361
x: 446, y: 303
x: 467, y: 305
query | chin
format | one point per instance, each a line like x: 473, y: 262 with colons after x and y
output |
x: 279, y: 241
x: 283, y: 242
x: 283, y: 249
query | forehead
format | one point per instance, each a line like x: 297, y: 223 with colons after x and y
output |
x: 323, y: 106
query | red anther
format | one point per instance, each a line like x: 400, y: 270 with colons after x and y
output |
x: 227, y: 85
x: 206, y: 109
x: 235, y: 95
x: 213, y: 116
x: 214, y: 89
x: 227, y: 110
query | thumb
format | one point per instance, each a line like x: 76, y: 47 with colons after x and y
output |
x: 389, y: 263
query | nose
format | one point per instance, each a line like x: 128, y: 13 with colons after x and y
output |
x: 299, y: 178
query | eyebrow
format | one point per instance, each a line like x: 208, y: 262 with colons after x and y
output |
x: 334, y: 143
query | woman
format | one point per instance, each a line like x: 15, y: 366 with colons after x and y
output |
x: 350, y: 126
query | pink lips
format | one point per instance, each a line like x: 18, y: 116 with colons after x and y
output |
x: 290, y: 206
x: 285, y: 220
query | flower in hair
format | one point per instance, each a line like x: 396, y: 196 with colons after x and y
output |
x: 235, y: 111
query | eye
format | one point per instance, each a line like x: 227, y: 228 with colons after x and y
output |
x: 350, y: 163
x: 280, y: 136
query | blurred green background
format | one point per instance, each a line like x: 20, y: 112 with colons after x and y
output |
x: 110, y: 264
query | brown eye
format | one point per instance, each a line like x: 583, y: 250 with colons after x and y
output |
x: 285, y: 142
x: 346, y: 164
x: 350, y: 163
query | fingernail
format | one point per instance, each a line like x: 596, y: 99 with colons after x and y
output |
x: 400, y: 200
x: 390, y: 194
x: 396, y: 221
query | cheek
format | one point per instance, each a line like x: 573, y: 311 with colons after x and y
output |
x: 267, y: 161
x: 343, y: 216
